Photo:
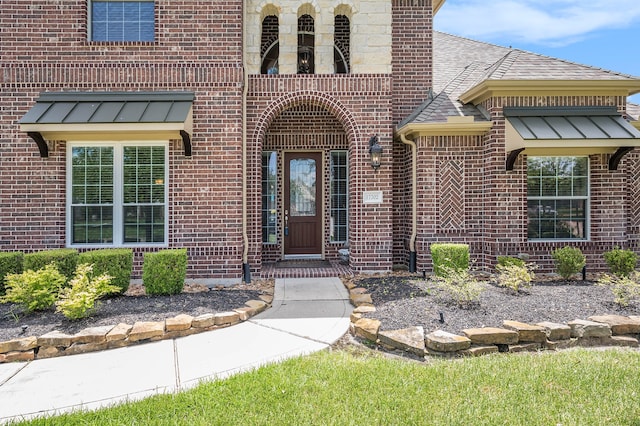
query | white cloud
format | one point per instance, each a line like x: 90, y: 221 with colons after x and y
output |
x: 560, y: 22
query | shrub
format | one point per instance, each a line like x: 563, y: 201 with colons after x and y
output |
x: 34, y: 290
x: 10, y: 263
x: 460, y: 285
x: 64, y: 259
x: 625, y: 288
x: 569, y: 261
x: 509, y: 260
x: 449, y: 256
x: 117, y: 263
x: 80, y: 298
x: 515, y: 276
x: 621, y: 262
x: 164, y: 272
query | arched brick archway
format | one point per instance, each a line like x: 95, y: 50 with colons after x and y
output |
x: 290, y: 100
x: 329, y: 128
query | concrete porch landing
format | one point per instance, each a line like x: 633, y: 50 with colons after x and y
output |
x: 307, y: 315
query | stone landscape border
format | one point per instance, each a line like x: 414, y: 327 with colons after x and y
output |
x: 92, y: 339
x: 514, y: 336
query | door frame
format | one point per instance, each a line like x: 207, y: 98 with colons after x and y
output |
x: 320, y: 201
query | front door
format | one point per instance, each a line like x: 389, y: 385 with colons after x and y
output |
x: 303, y: 203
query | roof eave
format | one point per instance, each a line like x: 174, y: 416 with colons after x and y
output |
x: 496, y: 88
x: 437, y: 4
x: 454, y: 126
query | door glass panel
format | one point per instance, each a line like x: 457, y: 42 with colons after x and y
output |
x: 302, y: 187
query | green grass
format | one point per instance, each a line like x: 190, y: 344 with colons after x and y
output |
x: 577, y: 387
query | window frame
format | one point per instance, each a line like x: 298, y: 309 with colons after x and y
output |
x: 118, y: 193
x: 586, y: 198
x: 90, y: 25
x: 265, y: 228
x: 332, y: 208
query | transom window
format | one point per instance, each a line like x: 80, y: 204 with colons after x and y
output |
x: 117, y: 194
x: 558, y: 198
x: 122, y: 20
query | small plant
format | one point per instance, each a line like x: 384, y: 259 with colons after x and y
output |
x: 621, y: 262
x: 569, y: 261
x: 449, y: 256
x: 460, y: 286
x: 625, y: 288
x: 35, y: 290
x: 515, y: 276
x: 80, y: 298
x: 116, y: 263
x: 164, y: 272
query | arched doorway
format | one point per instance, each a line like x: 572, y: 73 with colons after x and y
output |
x: 305, y: 181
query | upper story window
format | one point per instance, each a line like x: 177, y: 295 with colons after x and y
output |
x: 558, y: 198
x: 122, y: 20
x: 306, y: 44
x: 269, y: 45
x: 341, y: 36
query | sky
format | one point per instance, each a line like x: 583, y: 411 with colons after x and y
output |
x: 600, y: 33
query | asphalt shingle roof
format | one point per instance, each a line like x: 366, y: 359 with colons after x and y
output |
x: 460, y: 64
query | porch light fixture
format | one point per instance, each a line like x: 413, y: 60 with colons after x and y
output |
x: 304, y: 60
x: 375, y: 151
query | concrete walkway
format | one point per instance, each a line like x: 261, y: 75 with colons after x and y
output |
x: 307, y: 315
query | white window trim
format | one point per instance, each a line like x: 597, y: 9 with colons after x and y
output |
x: 90, y: 21
x: 587, y: 225
x: 346, y: 152
x: 118, y: 196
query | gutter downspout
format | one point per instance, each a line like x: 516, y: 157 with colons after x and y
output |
x: 246, y: 268
x: 414, y: 201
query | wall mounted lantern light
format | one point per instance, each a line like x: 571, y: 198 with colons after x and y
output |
x: 304, y: 60
x: 375, y: 151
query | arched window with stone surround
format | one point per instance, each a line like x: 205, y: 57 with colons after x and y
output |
x: 341, y: 41
x: 269, y: 45
x: 306, y: 44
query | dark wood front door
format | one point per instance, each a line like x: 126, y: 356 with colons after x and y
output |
x: 303, y: 203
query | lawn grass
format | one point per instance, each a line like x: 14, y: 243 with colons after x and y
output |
x: 576, y: 387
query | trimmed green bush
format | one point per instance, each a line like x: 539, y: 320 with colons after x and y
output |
x: 34, y: 290
x: 164, y: 272
x: 65, y: 260
x: 80, y: 298
x: 117, y: 263
x: 509, y: 261
x: 621, y: 262
x: 569, y: 261
x: 451, y: 256
x: 10, y: 263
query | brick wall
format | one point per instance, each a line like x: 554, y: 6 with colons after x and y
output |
x: 412, y: 52
x: 45, y: 48
x: 352, y: 106
x: 494, y: 200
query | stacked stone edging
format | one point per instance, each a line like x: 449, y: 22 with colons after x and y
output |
x: 92, y: 339
x: 513, y: 336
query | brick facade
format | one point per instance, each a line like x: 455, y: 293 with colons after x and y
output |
x: 464, y: 192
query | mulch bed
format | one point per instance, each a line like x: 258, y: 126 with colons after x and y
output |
x: 404, y: 301
x: 129, y: 308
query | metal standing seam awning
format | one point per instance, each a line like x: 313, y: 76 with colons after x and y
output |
x: 110, y: 116
x: 568, y: 131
